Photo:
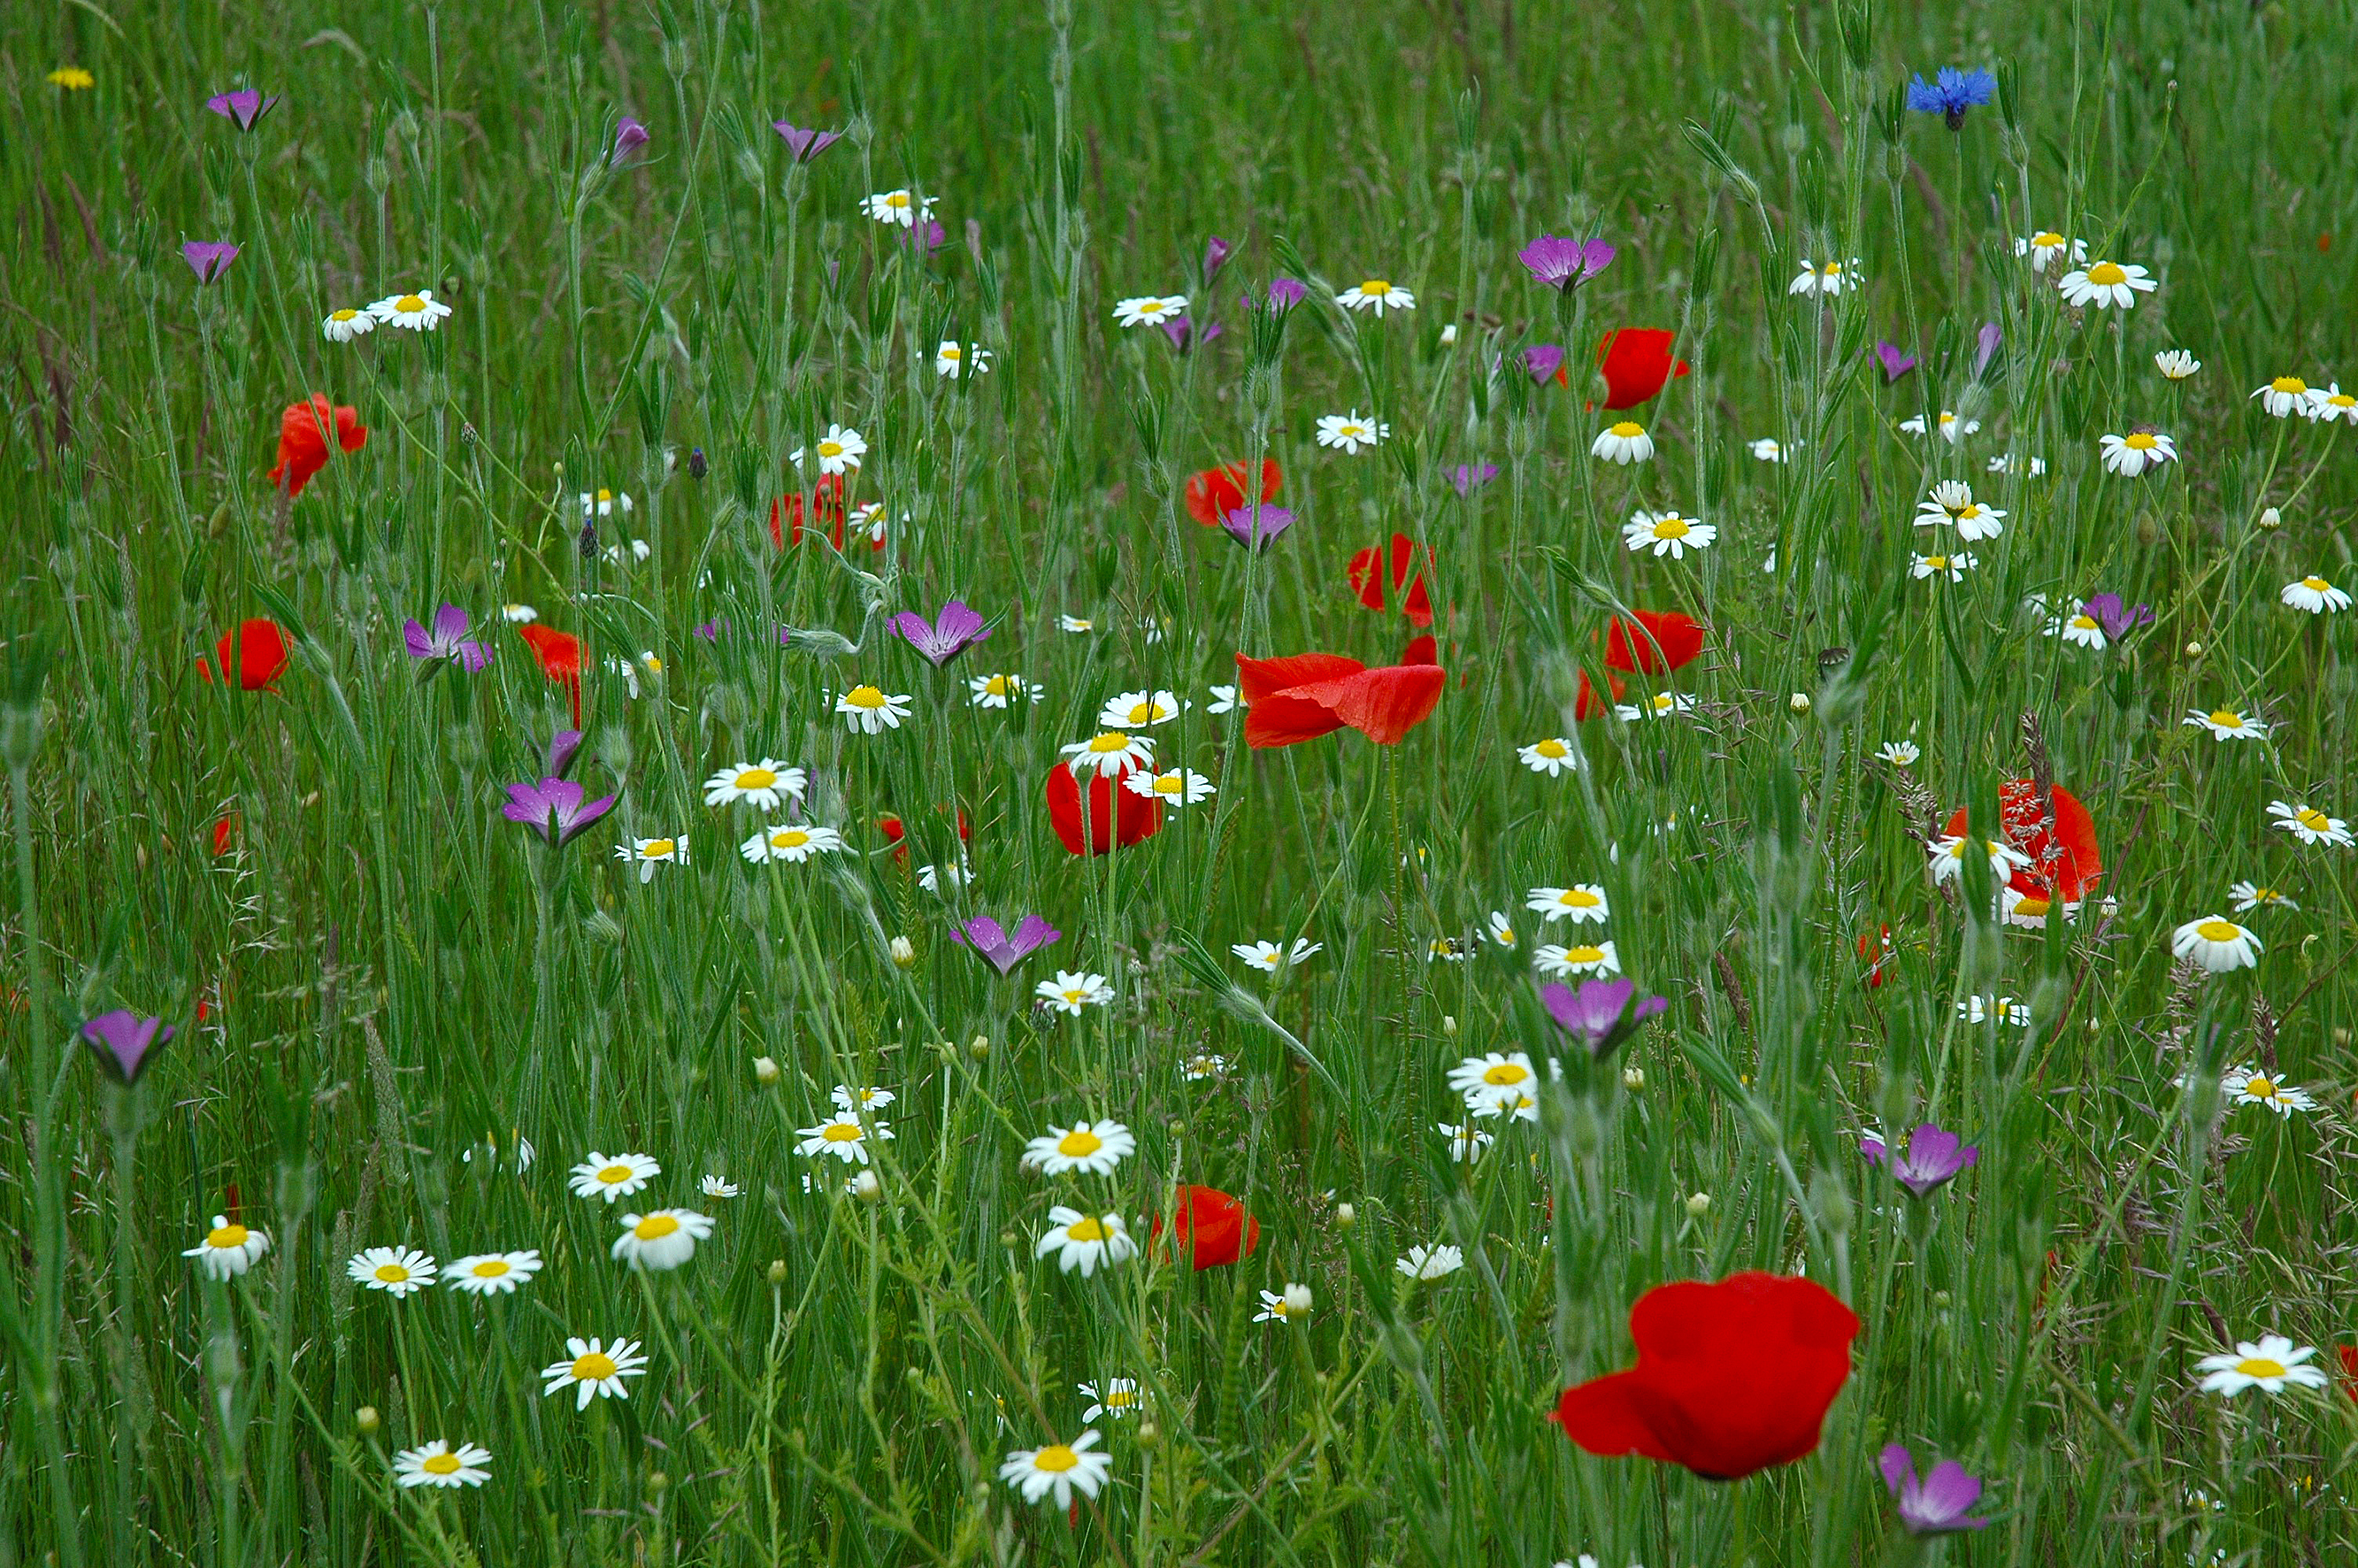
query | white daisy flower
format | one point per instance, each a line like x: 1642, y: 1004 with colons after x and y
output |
x: 1899, y: 753
x: 2005, y: 462
x: 649, y: 853
x: 2227, y: 724
x: 2217, y: 945
x: 611, y: 1177
x: 1666, y: 534
x: 1768, y: 450
x: 999, y: 691
x: 954, y: 360
x: 1288, y: 1305
x: 1176, y: 789
x: 870, y: 710
x: 1952, y: 568
x: 1075, y: 623
x: 1550, y: 756
x: 663, y: 1239
x: 843, y: 1136
x: 439, y: 1465
x: 2330, y: 404
x: 1140, y: 710
x: 2130, y: 455
x: 1499, y: 929
x: 2176, y: 364
x: 790, y: 843
x: 1349, y: 433
x: 1111, y: 752
x: 1058, y: 1470
x: 418, y: 312
x: 2106, y: 282
x: 761, y: 784
x: 714, y: 1186
x: 2309, y: 825
x: 518, y: 614
x: 344, y: 324
x: 2250, y: 895
x: 606, y: 503
x: 1946, y: 856
x: 1662, y: 705
x: 1092, y: 1148
x: 2079, y: 628
x: 1952, y: 501
x: 2003, y: 1009
x: 2249, y: 1086
x: 1150, y: 310
x: 1814, y: 281
x: 492, y: 1274
x: 2048, y: 248
x: 1224, y: 700
x: 2284, y: 396
x: 1378, y: 295
x: 840, y: 451
x: 398, y: 1271
x: 1484, y: 1080
x: 595, y: 1370
x: 1953, y: 429
x: 1581, y: 904
x: 2268, y: 1366
x: 1624, y: 441
x: 1467, y: 1144
x: 898, y: 207
x: 1084, y: 1242
x: 228, y: 1250
x: 1430, y: 1262
x: 1580, y: 958
x: 1271, y: 958
x: 1072, y: 990
x: 1120, y: 1399
x: 2315, y: 595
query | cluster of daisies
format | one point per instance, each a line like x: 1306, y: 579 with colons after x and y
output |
x: 417, y: 312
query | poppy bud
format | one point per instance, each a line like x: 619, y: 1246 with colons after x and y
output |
x: 367, y: 1421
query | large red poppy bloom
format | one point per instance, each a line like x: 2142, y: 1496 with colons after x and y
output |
x: 1304, y: 696
x: 560, y: 653
x: 1731, y: 1378
x: 303, y: 432
x: 1637, y: 364
x: 259, y: 657
x: 2065, y: 862
x: 1116, y: 817
x: 1214, y: 492
x: 826, y: 507
x: 1212, y: 1226
x: 1371, y: 580
x: 1650, y: 641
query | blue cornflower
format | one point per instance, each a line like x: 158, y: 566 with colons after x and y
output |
x: 1951, y: 93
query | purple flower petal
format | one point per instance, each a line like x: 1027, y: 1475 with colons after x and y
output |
x: 1985, y: 342
x: 245, y: 107
x: 122, y: 1040
x: 1467, y: 480
x: 1896, y: 1466
x: 805, y: 145
x: 420, y: 641
x: 1564, y: 264
x: 630, y: 136
x: 1216, y: 257
x: 1542, y: 360
x: 1285, y: 293
x: 1895, y: 363
x: 958, y: 628
x: 209, y: 258
x: 1031, y: 934
x: 1257, y: 526
x: 561, y: 747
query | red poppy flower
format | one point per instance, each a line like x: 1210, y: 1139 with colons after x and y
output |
x: 1305, y: 696
x: 1421, y: 651
x: 2349, y: 1354
x: 1116, y: 818
x: 1652, y: 642
x: 825, y: 506
x: 1368, y: 579
x: 896, y: 833
x: 1879, y: 943
x: 560, y: 653
x: 303, y: 432
x: 2066, y: 861
x: 1731, y: 1378
x: 1214, y: 492
x: 1637, y: 364
x: 260, y: 655
x: 224, y: 827
x: 1213, y: 1227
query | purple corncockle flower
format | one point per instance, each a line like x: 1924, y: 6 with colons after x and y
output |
x: 1564, y: 264
x: 805, y: 145
x: 122, y: 1040
x: 245, y: 107
x: 2118, y: 618
x: 1985, y: 342
x: 710, y: 629
x: 553, y: 808
x: 1216, y: 257
x: 1895, y: 363
x: 630, y: 136
x: 561, y: 748
x: 1939, y: 1503
x: 1542, y: 360
x: 948, y: 634
x: 1467, y: 480
x: 1598, y: 1015
x: 1003, y: 952
x: 1951, y: 94
x: 209, y: 258
x: 935, y: 237
x: 1185, y: 335
x: 446, y: 640
x: 1256, y: 527
x: 1934, y: 1159
x: 1284, y: 293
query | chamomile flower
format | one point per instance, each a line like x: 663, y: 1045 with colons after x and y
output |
x: 954, y: 360
x: 1149, y: 309
x: 1224, y: 700
x: 2029, y: 910
x: 1499, y: 929
x: 2250, y: 895
x: 1111, y: 751
x: 605, y: 503
x: 1468, y: 1144
x: 1977, y: 1009
x: 492, y: 1274
x: 2106, y: 282
x: 1203, y: 1065
x: 2006, y: 463
x: 1947, y: 857
x: 1624, y: 441
x: 1447, y: 950
x: 1662, y: 705
x: 2130, y: 455
x: 1666, y: 534
x: 2176, y: 364
x: 2330, y: 404
x: 595, y: 1370
x: 1376, y: 295
x: 439, y: 1465
x: 2284, y: 396
x: 1120, y: 1399
x: 398, y: 1271
x: 2309, y: 825
x: 649, y: 853
x: 1581, y: 904
x: 1072, y: 990
x: 1953, y: 429
x: 1952, y: 568
x: 1349, y: 433
x: 1085, y: 1242
x: 1430, y: 1262
x: 999, y: 691
x: 790, y: 843
x: 228, y: 1250
x: 761, y: 784
x: 2268, y: 1366
x: 1271, y: 958
x: 1815, y: 282
x: 847, y: 1098
x: 2217, y: 945
x: 1080, y: 624
x: 418, y: 312
x: 840, y: 451
x: 1579, y: 958
x: 2048, y: 248
x: 871, y: 710
x: 1290, y: 1305
x: 343, y: 324
x: 1178, y: 788
x: 1952, y: 501
x: 2227, y: 724
x: 1140, y: 710
x: 714, y: 1186
x: 1058, y: 1470
x: 2079, y: 628
x: 1899, y: 753
x: 1517, y: 1106
x: 663, y: 1239
x: 2315, y: 595
x: 1768, y: 450
x: 1550, y: 756
x: 844, y: 1136
x: 2249, y: 1086
x: 611, y: 1177
x: 898, y: 207
x: 1094, y: 1148
x: 1480, y: 1080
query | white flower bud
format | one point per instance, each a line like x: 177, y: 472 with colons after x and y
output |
x: 765, y: 1070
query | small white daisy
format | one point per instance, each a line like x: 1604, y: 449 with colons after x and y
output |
x: 1350, y: 434
x: 1057, y: 1471
x: 761, y: 784
x: 1072, y: 990
x: 2106, y: 282
x: 228, y: 1250
x: 1581, y: 904
x: 1085, y: 1242
x: 840, y: 451
x: 1430, y: 1262
x: 611, y: 1177
x: 2176, y: 364
x: 439, y: 1465
x: 871, y: 710
x: 398, y: 1271
x: 1178, y: 788
x: 649, y: 853
x: 1550, y: 756
x: 595, y: 1369
x: 342, y: 325
x: 1376, y: 295
x: 2130, y: 455
x: 1110, y: 753
x: 791, y: 844
x: 1092, y: 1148
x: 2284, y: 396
x: 2217, y: 945
x: 1140, y: 710
x: 2309, y: 825
x: 2249, y: 1086
x: 492, y: 1274
x: 2268, y: 1366
x: 2315, y: 595
x: 2227, y: 724
x: 1666, y: 534
x: 898, y: 207
x: 1953, y: 429
x: 1271, y: 958
x: 954, y: 360
x: 844, y: 1137
x: 418, y: 312
x: 2048, y: 248
x: 2250, y: 895
x: 999, y: 691
x: 1814, y: 281
x: 1150, y: 310
x: 1624, y: 441
x: 1899, y: 753
x: 1580, y: 958
x: 663, y: 1239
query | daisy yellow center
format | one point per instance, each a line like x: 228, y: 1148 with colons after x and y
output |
x: 1169, y: 784
x: 347, y: 314
x: 657, y: 849
x: 1664, y: 702
x: 226, y: 1237
x: 1056, y: 1458
x: 1627, y: 429
x: 1671, y: 528
x: 2315, y: 584
x: 1145, y: 712
x: 1353, y: 429
x: 1110, y: 742
x: 1087, y: 1230
x: 1553, y: 748
x: 999, y: 686
x: 864, y: 696
x: 2140, y: 440
x: 1120, y: 1399
x: 1278, y: 1309
x: 2316, y: 821
x: 409, y: 304
x: 1074, y: 995
x: 605, y: 498
x: 1080, y: 1142
x: 2265, y: 895
x: 792, y: 839
x: 491, y: 1269
x: 2292, y: 384
x: 951, y: 351
x: 830, y: 448
x: 1583, y: 954
x: 2344, y: 400
x: 2260, y: 1367
x: 1833, y: 269
x: 613, y: 1174
x: 756, y: 778
x: 440, y: 1464
x: 1376, y: 285
x: 842, y: 1132
x: 2260, y: 1088
x: 897, y: 200
x: 1968, y: 511
x: 654, y: 1227
x: 594, y: 1368
x: 2085, y: 623
x: 1581, y: 898
x: 2226, y: 719
x: 1947, y: 418
x: 2032, y: 908
x: 1504, y: 1072
x: 392, y: 1273
x: 2105, y: 274
x: 2047, y: 240
x: 2218, y: 931
x: 1938, y: 563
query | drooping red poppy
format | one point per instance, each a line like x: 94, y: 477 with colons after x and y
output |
x: 1117, y: 818
x: 1214, y: 492
x: 260, y: 656
x: 1879, y: 944
x: 2066, y: 862
x: 1304, y: 696
x: 1212, y: 1226
x: 224, y: 828
x: 1402, y: 583
x: 303, y: 432
x: 1637, y: 364
x: 896, y: 833
x: 1651, y: 642
x: 560, y: 653
x: 825, y: 506
x: 1732, y: 1377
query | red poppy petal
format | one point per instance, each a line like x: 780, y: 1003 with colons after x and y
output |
x: 1287, y: 718
x: 1652, y: 642
x: 1637, y: 364
x: 1384, y: 705
x: 1261, y: 678
x: 1600, y: 1416
x: 1421, y: 651
x: 1588, y: 705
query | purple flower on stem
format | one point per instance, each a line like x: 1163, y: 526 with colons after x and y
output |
x: 630, y: 136
x: 710, y: 629
x: 1216, y: 257
x: 1985, y: 342
x: 446, y: 640
x: 1003, y: 952
x: 245, y: 107
x: 122, y: 1039
x: 1938, y: 1504
x: 1598, y: 1015
x: 209, y: 258
x: 1284, y: 293
x: 805, y: 145
x: 561, y: 747
x: 1185, y: 335
x: 1895, y: 363
x: 1467, y: 480
x: 554, y: 808
x: 930, y: 234
x: 1255, y: 526
x: 950, y: 634
x: 1951, y: 94
x: 1542, y: 360
x: 1564, y: 264
x: 2118, y: 618
x: 1934, y: 1159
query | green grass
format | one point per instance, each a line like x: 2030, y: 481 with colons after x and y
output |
x: 390, y: 972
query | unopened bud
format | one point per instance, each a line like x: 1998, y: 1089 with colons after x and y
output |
x: 866, y: 1187
x: 1799, y: 702
x: 657, y: 1482
x: 765, y: 1070
x: 2193, y: 650
x: 2270, y: 518
x: 1297, y: 1301
x: 1698, y: 1206
x: 1449, y: 1025
x: 1149, y: 1434
x: 1345, y: 1216
x: 1633, y: 1078
x: 904, y: 956
x: 981, y: 1048
x: 367, y: 1421
x: 697, y: 464
x: 777, y: 1271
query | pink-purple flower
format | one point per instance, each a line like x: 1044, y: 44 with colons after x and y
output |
x: 1565, y: 263
x: 1542, y: 360
x: 554, y: 808
x: 1003, y: 952
x: 1466, y: 480
x: 1937, y: 1504
x: 948, y: 634
x: 1598, y: 1015
x: 446, y: 641
x: 1936, y: 1157
x: 630, y: 136
x: 244, y: 108
x: 2117, y: 618
x: 1894, y: 362
x: 1216, y: 257
x: 805, y: 145
x: 122, y: 1041
x: 209, y: 258
x: 1184, y: 334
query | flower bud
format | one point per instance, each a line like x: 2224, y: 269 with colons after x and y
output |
x: 1449, y: 334
x: 1345, y: 1216
x: 657, y: 1482
x: 1633, y: 1078
x: 981, y: 1048
x: 1297, y: 1302
x: 765, y: 1070
x: 2193, y: 650
x: 866, y: 1187
x: 1149, y: 1434
x: 1799, y: 702
x: 777, y: 1271
x: 699, y: 465
x: 2270, y: 517
x: 904, y: 955
x: 1698, y: 1206
x: 1449, y: 1025
x: 367, y: 1421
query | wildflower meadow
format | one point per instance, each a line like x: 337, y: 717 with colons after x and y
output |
x: 1174, y: 784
